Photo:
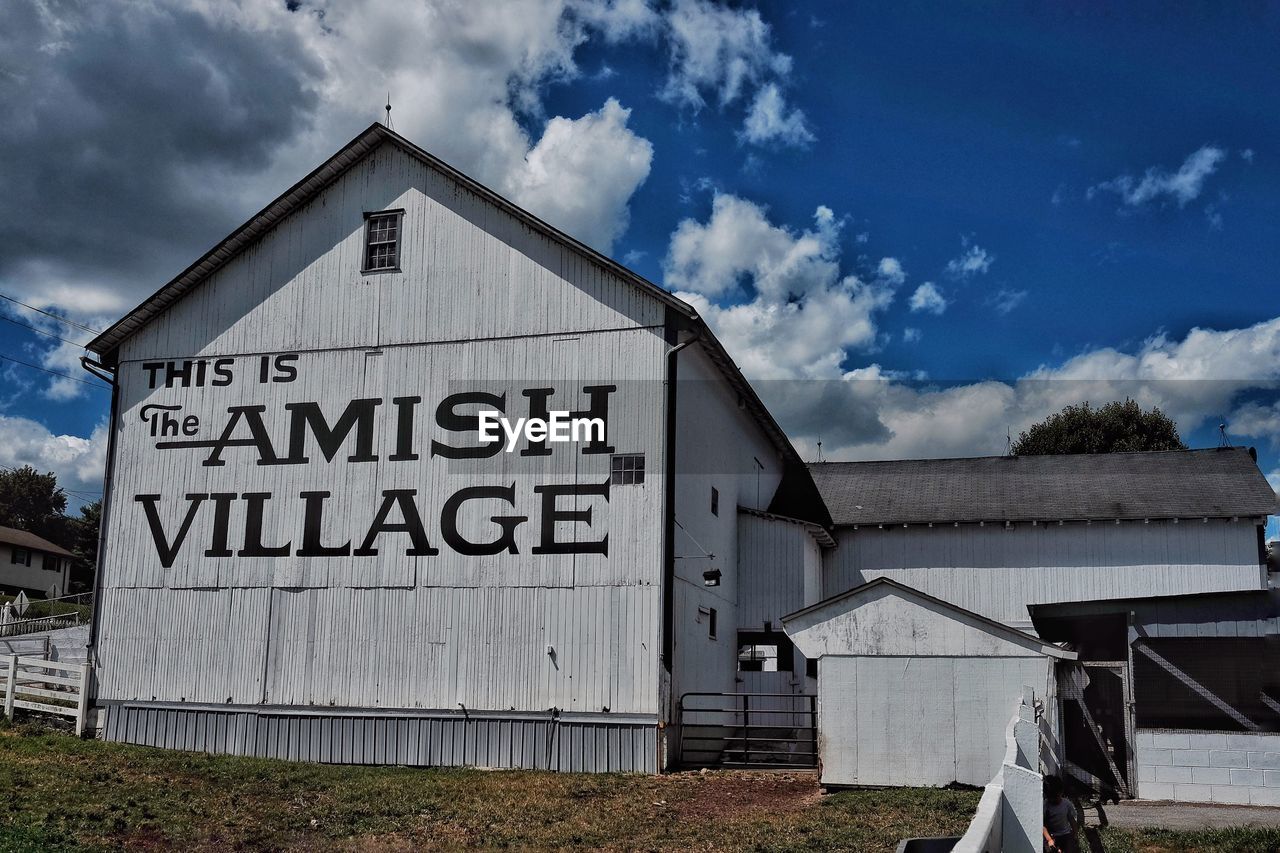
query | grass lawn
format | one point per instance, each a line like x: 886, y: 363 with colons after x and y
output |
x: 62, y: 794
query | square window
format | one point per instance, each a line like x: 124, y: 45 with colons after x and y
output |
x: 22, y: 556
x: 382, y: 241
x: 626, y: 469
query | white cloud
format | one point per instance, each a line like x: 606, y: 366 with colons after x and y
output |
x: 910, y: 335
x: 79, y: 462
x: 768, y: 121
x: 874, y: 414
x: 724, y: 52
x: 582, y: 167
x: 718, y: 49
x: 739, y: 242
x: 1256, y: 420
x: 1006, y: 299
x: 890, y: 269
x: 1157, y: 184
x: 974, y: 261
x: 803, y: 316
x: 928, y: 298
x: 1247, y: 155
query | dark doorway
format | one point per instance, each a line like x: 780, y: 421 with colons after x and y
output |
x: 1097, y: 732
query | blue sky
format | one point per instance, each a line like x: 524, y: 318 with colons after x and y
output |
x: 952, y: 213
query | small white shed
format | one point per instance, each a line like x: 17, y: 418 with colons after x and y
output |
x: 913, y: 690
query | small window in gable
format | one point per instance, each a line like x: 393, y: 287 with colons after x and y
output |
x: 626, y: 469
x: 382, y: 241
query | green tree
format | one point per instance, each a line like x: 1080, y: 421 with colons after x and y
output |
x: 33, y: 501
x: 1114, y: 428
x: 85, y: 537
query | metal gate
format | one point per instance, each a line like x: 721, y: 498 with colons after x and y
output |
x: 751, y: 730
x: 1096, y: 724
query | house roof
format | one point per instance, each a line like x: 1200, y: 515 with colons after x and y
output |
x: 353, y: 152
x: 30, y: 541
x: 991, y: 626
x: 1215, y: 483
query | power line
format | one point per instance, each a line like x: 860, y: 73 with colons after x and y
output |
x: 60, y: 319
x: 55, y: 372
x: 40, y: 330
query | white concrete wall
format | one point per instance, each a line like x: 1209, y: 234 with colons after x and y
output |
x: 1208, y: 767
x: 918, y: 720
x: 997, y: 572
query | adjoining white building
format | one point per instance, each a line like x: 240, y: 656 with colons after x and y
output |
x: 308, y: 553
x: 1149, y: 568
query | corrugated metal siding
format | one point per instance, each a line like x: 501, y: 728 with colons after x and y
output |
x: 998, y: 572
x: 469, y: 270
x: 380, y: 648
x: 483, y: 303
x: 590, y: 745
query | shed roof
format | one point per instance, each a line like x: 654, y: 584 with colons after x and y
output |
x: 30, y: 541
x: 1216, y: 483
x: 837, y: 605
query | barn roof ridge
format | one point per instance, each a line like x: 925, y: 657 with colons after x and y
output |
x: 356, y: 150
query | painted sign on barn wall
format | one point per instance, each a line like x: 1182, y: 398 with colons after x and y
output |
x: 367, y: 467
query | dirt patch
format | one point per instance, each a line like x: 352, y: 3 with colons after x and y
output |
x: 731, y: 794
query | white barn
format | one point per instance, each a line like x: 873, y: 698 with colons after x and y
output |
x: 308, y: 553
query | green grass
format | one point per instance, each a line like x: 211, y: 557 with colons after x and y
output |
x: 64, y: 794
x: 1233, y: 840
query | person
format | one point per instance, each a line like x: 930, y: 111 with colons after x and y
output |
x: 1061, y: 824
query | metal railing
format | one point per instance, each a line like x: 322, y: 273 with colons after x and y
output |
x: 760, y: 730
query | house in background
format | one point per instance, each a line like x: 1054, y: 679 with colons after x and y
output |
x: 33, y: 564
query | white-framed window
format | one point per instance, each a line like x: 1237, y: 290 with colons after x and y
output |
x: 21, y: 556
x: 382, y: 241
x: 626, y: 469
x: 51, y: 563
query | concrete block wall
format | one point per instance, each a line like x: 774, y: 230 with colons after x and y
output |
x: 1208, y: 767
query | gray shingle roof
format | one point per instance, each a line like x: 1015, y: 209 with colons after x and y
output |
x: 30, y: 541
x: 1219, y: 482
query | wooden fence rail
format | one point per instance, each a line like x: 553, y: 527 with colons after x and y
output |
x: 28, y: 680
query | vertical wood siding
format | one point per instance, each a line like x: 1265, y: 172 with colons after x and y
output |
x: 468, y: 271
x: 481, y: 303
x: 717, y: 444
x: 998, y: 572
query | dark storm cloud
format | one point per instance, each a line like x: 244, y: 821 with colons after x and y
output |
x: 122, y: 122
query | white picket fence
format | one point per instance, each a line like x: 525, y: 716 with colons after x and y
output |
x: 28, y: 680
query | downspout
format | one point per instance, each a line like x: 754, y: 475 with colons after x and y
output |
x: 669, y: 503
x: 108, y: 375
x: 668, y: 523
